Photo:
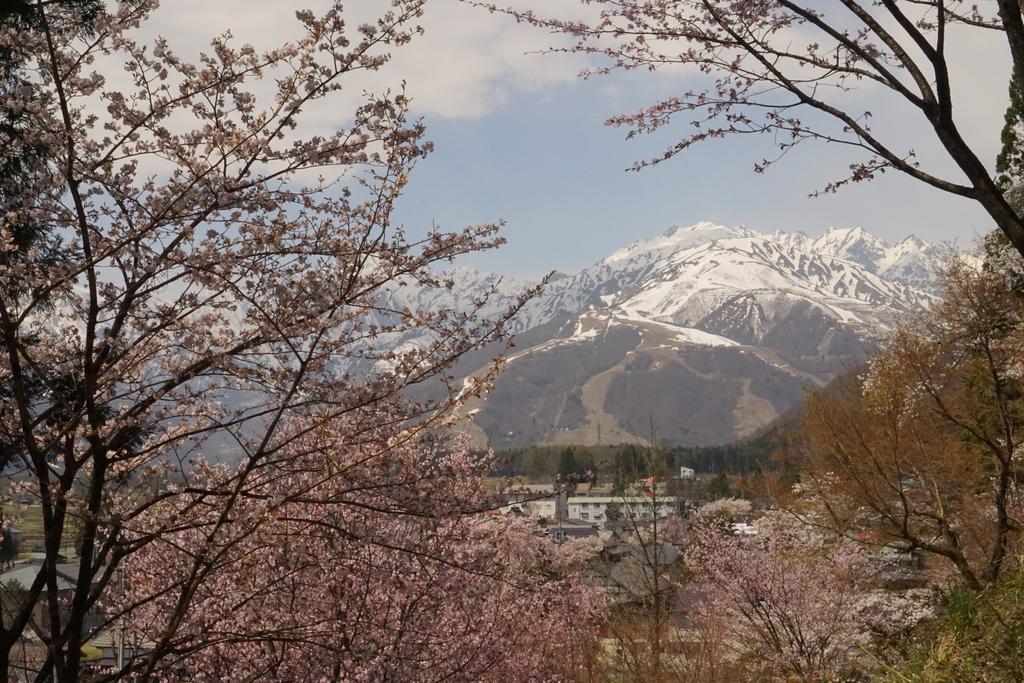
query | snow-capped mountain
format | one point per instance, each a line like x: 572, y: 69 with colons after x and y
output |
x: 686, y: 274
x: 912, y: 261
x: 470, y: 289
x: 708, y: 331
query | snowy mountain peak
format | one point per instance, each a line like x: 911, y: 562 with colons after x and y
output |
x: 711, y: 331
x: 915, y: 241
x: 686, y: 275
x: 852, y: 244
x: 677, y: 238
x: 912, y: 261
x: 700, y: 227
x: 847, y: 234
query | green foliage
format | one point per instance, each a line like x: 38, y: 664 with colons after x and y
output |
x: 1010, y: 163
x: 630, y: 464
x: 567, y: 462
x: 25, y: 157
x: 26, y: 163
x: 626, y: 463
x: 9, y: 548
x: 613, y: 512
x: 12, y: 598
x: 1003, y: 259
x: 742, y: 457
x: 981, y: 639
x: 717, y: 487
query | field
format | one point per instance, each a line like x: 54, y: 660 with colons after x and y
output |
x: 28, y: 519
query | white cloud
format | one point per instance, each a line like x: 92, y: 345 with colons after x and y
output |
x: 467, y: 63
x: 470, y: 61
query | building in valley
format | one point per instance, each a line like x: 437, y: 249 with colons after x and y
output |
x: 627, y: 507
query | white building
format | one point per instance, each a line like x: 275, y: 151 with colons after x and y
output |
x: 595, y: 508
x: 538, y: 500
x: 687, y: 473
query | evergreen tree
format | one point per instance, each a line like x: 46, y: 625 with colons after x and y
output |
x: 628, y: 467
x: 718, y: 487
x: 567, y: 462
x: 25, y: 167
x: 1002, y: 259
x: 613, y: 512
x: 25, y: 158
x: 1010, y: 163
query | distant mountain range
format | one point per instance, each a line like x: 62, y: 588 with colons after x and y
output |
x: 704, y: 334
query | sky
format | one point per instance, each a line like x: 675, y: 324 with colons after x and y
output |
x: 520, y: 138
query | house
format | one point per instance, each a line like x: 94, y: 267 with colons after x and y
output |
x: 687, y: 473
x: 592, y: 489
x: 572, y: 531
x: 630, y: 507
x: 901, y: 567
x: 23, y: 574
x: 632, y: 572
x: 103, y: 647
x: 743, y: 529
x: 539, y: 501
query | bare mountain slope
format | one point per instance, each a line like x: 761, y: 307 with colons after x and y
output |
x: 706, y: 332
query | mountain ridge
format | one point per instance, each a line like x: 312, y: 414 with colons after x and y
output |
x: 710, y: 332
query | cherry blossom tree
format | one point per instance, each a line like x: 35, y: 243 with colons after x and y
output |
x: 791, y: 602
x: 356, y: 559
x: 229, y: 290
x: 724, y: 510
x: 783, y: 68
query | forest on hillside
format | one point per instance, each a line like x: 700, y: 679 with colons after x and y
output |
x: 749, y: 456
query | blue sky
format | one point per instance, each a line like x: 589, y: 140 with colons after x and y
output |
x: 546, y: 164
x: 520, y: 138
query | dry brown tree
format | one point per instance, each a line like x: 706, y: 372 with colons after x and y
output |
x: 923, y: 448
